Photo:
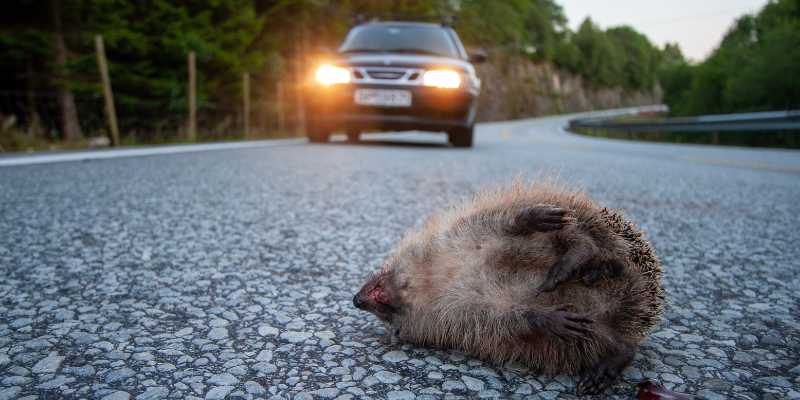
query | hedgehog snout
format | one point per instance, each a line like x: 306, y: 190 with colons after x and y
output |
x: 359, y: 301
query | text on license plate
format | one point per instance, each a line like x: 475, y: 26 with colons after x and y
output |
x: 383, y: 97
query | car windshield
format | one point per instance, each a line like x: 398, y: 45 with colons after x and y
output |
x: 400, y: 38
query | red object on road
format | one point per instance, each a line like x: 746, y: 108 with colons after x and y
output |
x: 653, y: 391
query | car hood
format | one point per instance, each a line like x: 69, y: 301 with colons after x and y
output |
x: 403, y: 60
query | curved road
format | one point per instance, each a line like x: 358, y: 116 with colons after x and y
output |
x: 231, y: 272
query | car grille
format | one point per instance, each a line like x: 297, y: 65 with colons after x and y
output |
x: 387, y: 75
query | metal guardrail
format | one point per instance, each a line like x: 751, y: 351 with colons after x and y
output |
x: 759, y: 121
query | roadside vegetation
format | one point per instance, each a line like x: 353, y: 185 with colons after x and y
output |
x: 755, y: 68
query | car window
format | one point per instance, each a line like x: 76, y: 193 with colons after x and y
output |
x: 399, y: 38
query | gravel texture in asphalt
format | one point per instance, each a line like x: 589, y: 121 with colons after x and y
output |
x: 231, y: 272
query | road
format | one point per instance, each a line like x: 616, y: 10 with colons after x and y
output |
x: 231, y: 272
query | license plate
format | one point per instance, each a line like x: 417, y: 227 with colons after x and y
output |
x: 383, y: 97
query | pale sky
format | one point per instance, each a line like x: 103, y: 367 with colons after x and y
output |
x: 697, y: 25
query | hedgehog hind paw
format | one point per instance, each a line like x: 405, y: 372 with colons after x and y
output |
x: 592, y: 275
x: 594, y: 384
x: 600, y: 377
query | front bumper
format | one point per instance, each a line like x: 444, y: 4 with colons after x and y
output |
x: 333, y: 108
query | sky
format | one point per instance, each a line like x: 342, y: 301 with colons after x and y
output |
x: 697, y: 25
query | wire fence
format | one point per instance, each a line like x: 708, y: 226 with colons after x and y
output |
x: 38, y: 114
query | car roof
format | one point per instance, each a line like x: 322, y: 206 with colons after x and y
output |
x: 405, y: 23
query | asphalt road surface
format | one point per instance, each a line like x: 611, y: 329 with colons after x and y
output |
x: 231, y: 272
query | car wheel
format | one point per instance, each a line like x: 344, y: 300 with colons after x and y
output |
x: 316, y: 134
x: 461, y: 137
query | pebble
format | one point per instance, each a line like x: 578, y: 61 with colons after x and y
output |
x: 218, y: 392
x: 118, y: 395
x: 266, y: 330
x: 153, y: 393
x: 387, y: 377
x: 450, y: 385
x: 254, y: 388
x: 183, y: 332
x: 218, y: 333
x: 223, y: 379
x: 395, y: 356
x: 472, y: 383
x: 48, y: 365
x: 400, y: 395
x: 327, y: 393
x: 55, y: 382
x: 119, y: 375
x: 9, y: 393
x: 264, y: 355
x: 295, y: 336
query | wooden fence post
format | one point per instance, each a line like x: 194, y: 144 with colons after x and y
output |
x: 300, y: 70
x: 246, y: 105
x: 191, y: 132
x: 111, y: 112
x: 279, y: 106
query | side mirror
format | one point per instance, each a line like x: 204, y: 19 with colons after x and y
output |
x: 478, y: 56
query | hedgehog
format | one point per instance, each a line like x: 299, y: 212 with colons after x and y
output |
x: 534, y: 274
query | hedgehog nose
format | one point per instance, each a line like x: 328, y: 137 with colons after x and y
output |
x: 359, y: 302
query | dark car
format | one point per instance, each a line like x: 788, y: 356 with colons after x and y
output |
x: 396, y: 76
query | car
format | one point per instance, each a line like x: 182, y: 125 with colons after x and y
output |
x: 395, y: 76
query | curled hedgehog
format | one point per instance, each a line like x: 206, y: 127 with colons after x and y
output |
x: 535, y: 274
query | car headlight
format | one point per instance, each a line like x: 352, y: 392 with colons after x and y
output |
x: 330, y: 74
x: 442, y: 78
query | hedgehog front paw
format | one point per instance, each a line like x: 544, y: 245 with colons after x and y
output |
x: 561, y: 323
x: 540, y: 218
x: 567, y: 324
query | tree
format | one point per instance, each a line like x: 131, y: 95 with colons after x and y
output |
x: 639, y: 58
x: 600, y: 59
x: 147, y: 44
x: 753, y: 69
x: 70, y: 126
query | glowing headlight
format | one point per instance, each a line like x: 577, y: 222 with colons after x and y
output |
x: 442, y: 78
x: 329, y: 75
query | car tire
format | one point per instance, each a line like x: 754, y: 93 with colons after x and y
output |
x: 316, y: 134
x: 461, y: 137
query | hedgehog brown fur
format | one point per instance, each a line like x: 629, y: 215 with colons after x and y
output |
x: 536, y: 274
